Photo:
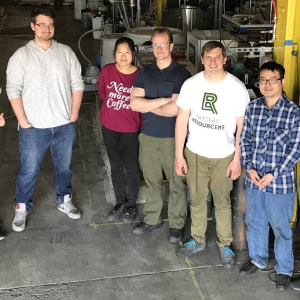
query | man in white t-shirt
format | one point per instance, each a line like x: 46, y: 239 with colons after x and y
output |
x: 212, y: 106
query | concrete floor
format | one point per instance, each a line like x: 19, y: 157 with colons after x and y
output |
x: 59, y: 258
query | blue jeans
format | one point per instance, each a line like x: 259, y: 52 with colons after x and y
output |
x: 33, y: 144
x: 264, y: 210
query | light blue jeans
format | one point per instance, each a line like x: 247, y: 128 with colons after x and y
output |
x: 264, y: 210
x: 33, y: 144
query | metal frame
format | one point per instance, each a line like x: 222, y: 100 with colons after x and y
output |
x: 262, y: 50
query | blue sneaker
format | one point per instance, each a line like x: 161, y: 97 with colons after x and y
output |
x: 190, y: 248
x: 227, y: 256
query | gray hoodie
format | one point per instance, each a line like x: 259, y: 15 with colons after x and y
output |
x: 45, y: 81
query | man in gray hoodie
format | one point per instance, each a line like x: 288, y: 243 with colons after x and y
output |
x: 45, y: 88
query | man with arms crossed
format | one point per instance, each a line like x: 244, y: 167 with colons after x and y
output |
x: 154, y: 94
x: 44, y: 86
x: 270, y: 144
x: 212, y: 104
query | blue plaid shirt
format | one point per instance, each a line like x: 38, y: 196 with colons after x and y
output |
x: 270, y: 143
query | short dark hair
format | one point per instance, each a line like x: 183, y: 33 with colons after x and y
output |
x: 124, y: 40
x: 273, y: 66
x: 161, y: 30
x: 41, y: 11
x: 212, y: 45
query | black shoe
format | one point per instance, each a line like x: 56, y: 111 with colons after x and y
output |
x: 248, y: 269
x: 175, y: 235
x: 116, y: 213
x: 283, y: 282
x: 130, y: 214
x: 2, y: 233
x: 144, y: 228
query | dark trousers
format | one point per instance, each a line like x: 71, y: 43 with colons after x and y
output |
x: 123, y: 149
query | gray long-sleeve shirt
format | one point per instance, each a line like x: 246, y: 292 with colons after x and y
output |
x: 45, y: 81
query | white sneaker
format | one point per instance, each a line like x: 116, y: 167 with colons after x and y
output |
x: 19, y: 221
x: 68, y: 208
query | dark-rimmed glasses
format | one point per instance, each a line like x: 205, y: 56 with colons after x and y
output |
x: 263, y: 81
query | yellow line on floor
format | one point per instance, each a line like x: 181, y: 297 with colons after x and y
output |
x: 83, y: 165
x: 192, y: 274
x: 195, y: 281
x: 190, y: 267
x: 96, y: 225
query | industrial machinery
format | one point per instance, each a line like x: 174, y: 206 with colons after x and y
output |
x: 188, y: 15
x: 247, y: 28
x: 248, y: 32
x: 196, y: 40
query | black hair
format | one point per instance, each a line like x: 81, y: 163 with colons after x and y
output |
x: 273, y: 66
x: 124, y: 40
x: 161, y: 30
x: 212, y: 45
x: 41, y: 11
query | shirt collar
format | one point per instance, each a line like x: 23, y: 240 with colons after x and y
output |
x: 169, y: 68
x: 278, y: 104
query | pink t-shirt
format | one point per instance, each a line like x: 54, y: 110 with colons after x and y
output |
x: 114, y: 88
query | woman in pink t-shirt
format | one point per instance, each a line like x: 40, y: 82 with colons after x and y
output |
x: 120, y: 129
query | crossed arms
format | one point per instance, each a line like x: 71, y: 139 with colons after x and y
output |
x: 165, y: 107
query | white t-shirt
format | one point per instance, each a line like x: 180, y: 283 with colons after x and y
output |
x: 214, y: 107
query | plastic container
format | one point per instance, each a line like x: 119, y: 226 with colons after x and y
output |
x: 86, y: 19
x: 109, y: 28
x: 91, y: 75
x: 79, y: 5
x: 97, y: 24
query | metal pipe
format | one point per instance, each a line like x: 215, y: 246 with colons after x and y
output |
x: 216, y: 14
x: 220, y: 14
x: 122, y: 16
x: 271, y: 12
x: 125, y: 15
x: 159, y: 7
x: 273, y: 31
x: 250, y: 7
x: 184, y: 21
x: 113, y: 16
x: 239, y: 242
x: 138, y: 13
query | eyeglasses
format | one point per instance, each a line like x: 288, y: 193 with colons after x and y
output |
x: 160, y: 45
x: 264, y: 81
x: 43, y: 26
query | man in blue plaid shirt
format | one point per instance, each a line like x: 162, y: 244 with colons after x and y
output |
x: 270, y: 145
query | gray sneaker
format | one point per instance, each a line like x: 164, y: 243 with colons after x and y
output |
x: 19, y: 221
x: 190, y: 248
x: 68, y: 208
x: 296, y: 284
x: 227, y: 256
